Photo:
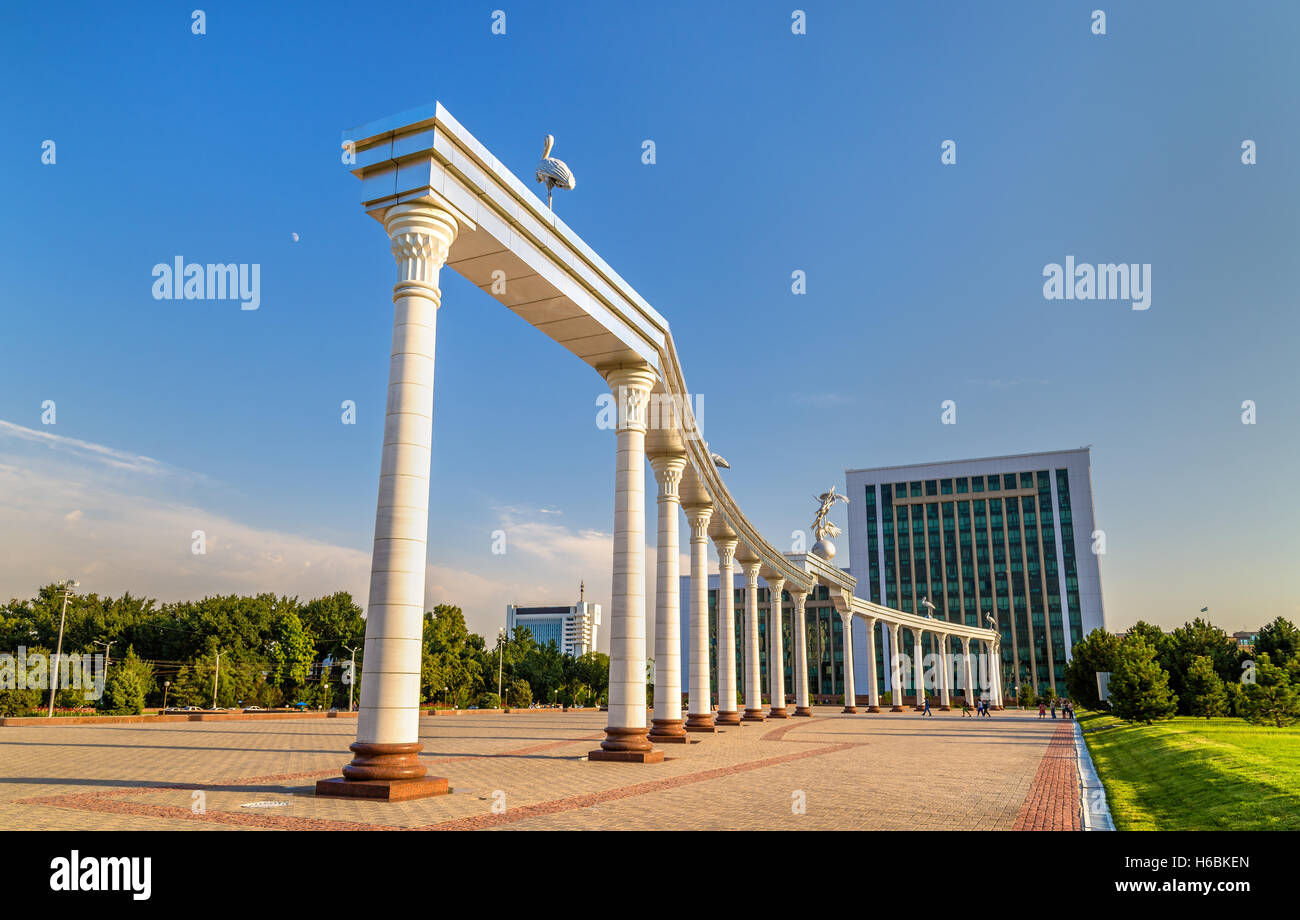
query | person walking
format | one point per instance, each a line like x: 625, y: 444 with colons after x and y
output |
x: 1042, y: 710
x: 926, y: 711
x: 965, y: 708
x: 1053, y: 708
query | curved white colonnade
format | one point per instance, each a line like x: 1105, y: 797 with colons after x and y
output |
x: 445, y: 200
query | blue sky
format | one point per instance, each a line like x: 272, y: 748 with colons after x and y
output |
x: 775, y: 152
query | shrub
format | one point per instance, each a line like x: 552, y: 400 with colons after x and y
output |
x: 489, y: 701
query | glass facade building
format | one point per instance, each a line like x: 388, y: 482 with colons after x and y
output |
x: 1007, y: 537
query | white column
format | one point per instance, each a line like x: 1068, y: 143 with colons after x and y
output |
x: 801, y: 707
x: 753, y: 678
x: 996, y: 674
x: 918, y: 669
x: 850, y: 692
x: 727, y: 714
x: 387, y: 745
x: 625, y: 735
x: 987, y: 690
x: 969, y: 689
x: 700, y: 716
x: 944, y: 661
x: 667, y: 726
x: 775, y: 651
x: 873, y: 694
x: 896, y: 667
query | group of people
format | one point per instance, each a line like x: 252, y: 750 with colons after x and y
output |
x: 981, y: 708
x: 1067, y: 709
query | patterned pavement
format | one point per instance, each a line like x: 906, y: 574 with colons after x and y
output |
x: 528, y: 771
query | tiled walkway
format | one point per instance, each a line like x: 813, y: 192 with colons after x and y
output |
x: 528, y: 771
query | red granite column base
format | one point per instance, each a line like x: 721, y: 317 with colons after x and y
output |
x: 803, y: 711
x: 775, y: 713
x: 753, y: 715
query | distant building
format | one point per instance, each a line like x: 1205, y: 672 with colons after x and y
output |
x: 1245, y: 640
x: 572, y: 628
x: 1009, y: 537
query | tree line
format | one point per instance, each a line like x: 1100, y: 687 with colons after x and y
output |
x: 1196, y: 670
x: 268, y: 651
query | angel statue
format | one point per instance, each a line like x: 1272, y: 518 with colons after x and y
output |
x: 823, y: 529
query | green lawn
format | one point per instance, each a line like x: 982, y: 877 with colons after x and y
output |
x: 1194, y: 774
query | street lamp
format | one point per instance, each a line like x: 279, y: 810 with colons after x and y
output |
x: 352, y: 674
x: 166, y: 684
x: 501, y: 635
x: 68, y: 585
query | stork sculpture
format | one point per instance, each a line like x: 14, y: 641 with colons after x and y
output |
x: 553, y: 172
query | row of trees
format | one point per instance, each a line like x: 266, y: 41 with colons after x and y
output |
x: 1196, y: 670
x: 271, y: 651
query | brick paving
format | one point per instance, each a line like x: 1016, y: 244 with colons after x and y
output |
x: 1053, y: 803
x: 529, y: 771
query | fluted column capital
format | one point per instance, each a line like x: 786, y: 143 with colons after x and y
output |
x: 799, y: 596
x: 751, y: 573
x: 668, y: 473
x: 916, y: 633
x: 726, y: 549
x: 631, y: 386
x: 421, y: 234
x: 698, y: 517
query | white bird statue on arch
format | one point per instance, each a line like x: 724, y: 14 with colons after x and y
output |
x: 553, y: 172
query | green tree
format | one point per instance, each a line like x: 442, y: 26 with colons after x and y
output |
x: 1197, y: 639
x: 1027, y: 696
x: 292, y: 652
x: 450, y: 658
x: 1205, y: 690
x: 336, y: 623
x: 1271, y: 699
x: 1139, y: 687
x: 519, y: 694
x: 1280, y: 641
x: 125, y: 689
x: 1095, y: 654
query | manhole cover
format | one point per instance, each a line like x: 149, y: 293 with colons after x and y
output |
x: 264, y: 805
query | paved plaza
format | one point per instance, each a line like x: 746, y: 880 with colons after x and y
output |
x: 528, y: 771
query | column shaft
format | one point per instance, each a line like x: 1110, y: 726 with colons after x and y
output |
x: 850, y: 692
x: 918, y: 668
x: 896, y: 668
x: 944, y: 702
x: 625, y: 735
x: 873, y: 694
x: 667, y: 720
x: 753, y: 686
x: 700, y: 716
x: 727, y: 714
x: 776, y: 652
x: 801, y: 707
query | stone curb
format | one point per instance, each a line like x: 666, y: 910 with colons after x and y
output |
x: 1092, y: 795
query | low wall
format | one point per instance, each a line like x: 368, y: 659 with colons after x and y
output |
x: 13, y: 722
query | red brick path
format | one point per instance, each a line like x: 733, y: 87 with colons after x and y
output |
x: 1053, y: 800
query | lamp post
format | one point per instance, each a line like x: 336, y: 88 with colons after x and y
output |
x: 68, y: 585
x: 501, y: 635
x: 216, y: 675
x: 166, y: 684
x: 352, y: 675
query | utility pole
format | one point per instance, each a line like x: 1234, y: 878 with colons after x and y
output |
x: 215, y: 677
x: 107, y: 647
x: 68, y: 585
